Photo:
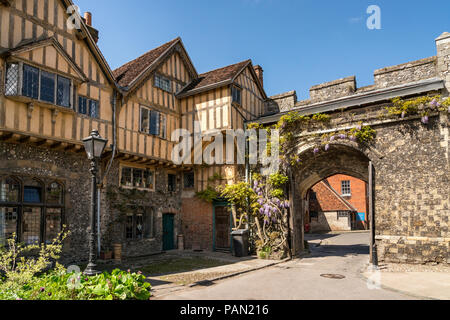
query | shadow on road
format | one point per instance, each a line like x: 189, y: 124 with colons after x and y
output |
x: 338, y: 250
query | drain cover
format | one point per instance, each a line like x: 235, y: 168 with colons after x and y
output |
x: 333, y: 276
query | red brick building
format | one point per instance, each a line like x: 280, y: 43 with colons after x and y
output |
x: 339, y: 203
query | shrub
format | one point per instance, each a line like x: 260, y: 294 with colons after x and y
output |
x: 60, y: 285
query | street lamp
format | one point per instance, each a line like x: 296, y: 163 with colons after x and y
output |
x: 94, y: 145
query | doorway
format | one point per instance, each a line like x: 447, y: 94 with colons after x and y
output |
x: 168, y: 232
x: 222, y: 228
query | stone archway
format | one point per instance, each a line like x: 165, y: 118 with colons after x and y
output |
x: 341, y: 158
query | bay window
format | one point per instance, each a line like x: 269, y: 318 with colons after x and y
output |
x: 38, y: 84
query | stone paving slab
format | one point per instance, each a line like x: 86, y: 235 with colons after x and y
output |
x: 209, y: 276
x: 430, y: 285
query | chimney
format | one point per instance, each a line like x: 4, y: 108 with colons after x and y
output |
x: 88, y: 18
x: 260, y: 73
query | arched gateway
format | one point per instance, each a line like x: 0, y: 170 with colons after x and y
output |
x: 406, y: 164
x: 341, y: 158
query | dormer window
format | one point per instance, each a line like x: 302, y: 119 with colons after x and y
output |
x: 38, y: 84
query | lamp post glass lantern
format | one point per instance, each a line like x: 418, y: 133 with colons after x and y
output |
x: 94, y: 145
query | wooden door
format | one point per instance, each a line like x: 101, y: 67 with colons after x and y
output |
x: 223, y: 228
x: 168, y: 235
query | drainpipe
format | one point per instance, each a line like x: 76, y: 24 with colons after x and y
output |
x: 108, y: 168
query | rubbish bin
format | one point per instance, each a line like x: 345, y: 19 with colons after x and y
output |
x: 240, y: 242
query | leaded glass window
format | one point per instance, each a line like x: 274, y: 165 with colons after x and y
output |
x: 31, y: 225
x: 93, y: 109
x: 139, y: 223
x: 55, y: 193
x: 83, y: 105
x: 163, y: 83
x: 30, y: 87
x: 12, y: 79
x: 9, y: 190
x: 52, y: 224
x: 8, y: 223
x: 47, y: 87
x: 63, y: 92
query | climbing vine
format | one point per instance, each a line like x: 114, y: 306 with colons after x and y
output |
x: 422, y: 106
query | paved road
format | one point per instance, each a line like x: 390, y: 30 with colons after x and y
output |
x: 344, y: 254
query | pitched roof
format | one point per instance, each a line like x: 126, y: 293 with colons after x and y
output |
x: 213, y: 78
x: 127, y: 73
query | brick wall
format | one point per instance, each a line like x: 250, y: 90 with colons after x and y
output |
x: 358, y: 188
x: 197, y: 223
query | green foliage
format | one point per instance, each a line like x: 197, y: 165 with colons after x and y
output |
x: 20, y: 263
x: 60, y: 285
x: 417, y: 106
x: 25, y: 277
x: 209, y: 194
x: 364, y: 134
x: 321, y: 117
x: 278, y: 179
x: 255, y: 126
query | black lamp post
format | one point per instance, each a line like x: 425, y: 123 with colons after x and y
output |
x: 94, y: 145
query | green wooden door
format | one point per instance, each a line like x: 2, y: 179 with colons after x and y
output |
x: 168, y: 241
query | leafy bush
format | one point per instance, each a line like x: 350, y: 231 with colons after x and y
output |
x: 60, y: 285
x: 25, y: 277
x: 20, y: 263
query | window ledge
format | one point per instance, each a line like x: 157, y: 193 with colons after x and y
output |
x: 135, y: 188
x: 41, y: 103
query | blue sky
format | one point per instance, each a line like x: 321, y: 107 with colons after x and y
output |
x: 298, y: 43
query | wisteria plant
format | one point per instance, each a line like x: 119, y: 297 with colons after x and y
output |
x: 263, y: 206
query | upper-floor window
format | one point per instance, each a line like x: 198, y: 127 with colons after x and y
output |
x: 172, y: 183
x: 137, y: 178
x: 163, y: 83
x: 236, y: 94
x: 346, y: 188
x: 88, y: 107
x: 38, y: 84
x: 189, y: 180
x: 153, y: 122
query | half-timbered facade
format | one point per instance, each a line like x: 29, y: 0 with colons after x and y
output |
x: 56, y: 87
